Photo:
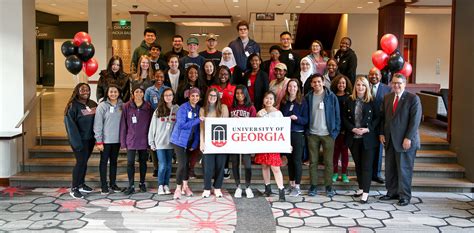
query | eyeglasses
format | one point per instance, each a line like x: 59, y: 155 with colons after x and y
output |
x: 169, y: 95
x: 211, y: 95
x: 397, y: 83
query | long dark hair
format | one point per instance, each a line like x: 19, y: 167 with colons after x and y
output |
x: 112, y: 85
x: 199, y: 82
x: 111, y: 62
x: 75, y: 96
x: 299, y: 95
x: 204, y: 70
x: 218, y: 103
x: 249, y: 65
x: 247, y: 101
x: 162, y: 110
x: 274, y: 98
x: 335, y: 82
x: 218, y: 73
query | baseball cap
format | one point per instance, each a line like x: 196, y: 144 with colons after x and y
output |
x: 192, y: 40
x: 280, y: 66
x: 211, y: 36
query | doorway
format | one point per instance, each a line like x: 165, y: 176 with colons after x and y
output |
x: 409, y: 54
x: 45, y: 62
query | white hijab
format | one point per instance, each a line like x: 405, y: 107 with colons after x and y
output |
x: 232, y: 61
x: 305, y: 75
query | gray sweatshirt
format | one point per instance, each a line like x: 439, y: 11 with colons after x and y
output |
x: 107, y: 122
x: 160, y: 130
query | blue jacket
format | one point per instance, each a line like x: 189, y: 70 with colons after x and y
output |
x: 187, y: 123
x: 239, y: 51
x: 299, y: 110
x: 332, y: 112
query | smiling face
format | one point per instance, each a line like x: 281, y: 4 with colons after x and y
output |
x: 173, y: 63
x: 209, y: 68
x: 255, y: 62
x: 150, y: 37
x: 211, y: 44
x: 315, y: 48
x: 193, y: 75
x: 332, y: 66
x: 223, y: 76
x: 274, y: 55
x: 374, y: 76
x: 138, y: 94
x: 305, y: 65
x: 226, y: 55
x: 269, y: 100
x: 159, y: 78
x: 155, y: 52
x: 292, y: 88
x: 317, y: 84
x: 115, y: 66
x: 194, y: 98
x: 280, y: 74
x: 286, y: 41
x: 84, y: 92
x: 193, y: 48
x: 345, y: 44
x: 243, y: 31
x: 145, y: 64
x: 113, y: 93
x: 212, y: 98
x: 341, y: 85
x: 398, y: 85
x: 168, y: 96
x: 177, y: 43
x: 360, y: 88
x: 239, y: 95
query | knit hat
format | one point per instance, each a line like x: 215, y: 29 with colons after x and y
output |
x: 194, y: 90
x: 280, y: 66
x: 137, y: 86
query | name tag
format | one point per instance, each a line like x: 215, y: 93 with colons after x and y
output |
x: 321, y: 105
x: 190, y: 115
x: 247, y: 53
x: 134, y: 119
x: 155, y: 99
x: 168, y: 126
x: 220, y: 94
x: 290, y: 56
x: 111, y: 110
x: 291, y: 107
x: 249, y: 83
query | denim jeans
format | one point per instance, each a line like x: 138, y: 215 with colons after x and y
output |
x: 164, y: 157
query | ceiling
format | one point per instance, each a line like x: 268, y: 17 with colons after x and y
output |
x: 160, y: 10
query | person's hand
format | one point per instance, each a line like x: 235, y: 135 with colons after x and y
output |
x: 202, y: 147
x: 202, y: 118
x: 153, y: 148
x: 262, y: 113
x: 406, y: 144
x: 100, y: 147
x: 293, y: 117
x: 357, y: 131
x: 191, y: 149
x: 382, y: 139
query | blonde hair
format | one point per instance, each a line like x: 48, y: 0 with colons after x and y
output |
x: 368, y: 94
x: 138, y: 74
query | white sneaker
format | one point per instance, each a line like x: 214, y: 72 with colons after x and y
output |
x: 238, y: 193
x: 206, y: 193
x: 218, y: 193
x: 167, y: 190
x: 160, y: 190
x: 248, y: 192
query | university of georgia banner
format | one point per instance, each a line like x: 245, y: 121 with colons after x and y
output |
x: 247, y: 135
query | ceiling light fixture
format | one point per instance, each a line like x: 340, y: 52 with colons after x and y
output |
x: 359, y: 7
x: 302, y: 1
x: 114, y: 5
x: 201, y: 21
x: 235, y: 1
x: 408, y: 12
x: 175, y: 5
x: 236, y: 6
x: 370, y: 2
x: 297, y: 6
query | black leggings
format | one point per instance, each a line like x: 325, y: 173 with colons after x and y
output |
x: 295, y: 159
x: 82, y: 157
x: 111, y: 152
x: 363, y: 159
x: 235, y: 159
x: 142, y: 158
x: 182, y: 158
x: 213, y: 167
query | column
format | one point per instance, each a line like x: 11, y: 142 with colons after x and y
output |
x: 18, y: 79
x: 392, y: 20
x: 100, y: 30
x: 461, y: 84
x: 138, y: 25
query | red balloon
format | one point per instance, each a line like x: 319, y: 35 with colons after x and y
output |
x: 90, y: 67
x: 389, y: 43
x: 81, y: 37
x: 380, y: 59
x: 406, y: 70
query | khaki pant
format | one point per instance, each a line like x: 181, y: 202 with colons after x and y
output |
x: 314, y: 143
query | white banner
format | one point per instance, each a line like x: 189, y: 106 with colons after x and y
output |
x: 247, y: 135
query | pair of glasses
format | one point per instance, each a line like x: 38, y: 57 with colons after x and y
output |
x: 211, y: 95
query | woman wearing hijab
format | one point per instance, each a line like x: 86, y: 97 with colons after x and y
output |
x: 306, y: 70
x: 228, y: 60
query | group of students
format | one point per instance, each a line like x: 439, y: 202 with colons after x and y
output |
x: 162, y: 107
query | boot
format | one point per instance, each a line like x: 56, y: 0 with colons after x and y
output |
x: 281, y: 195
x: 268, y: 190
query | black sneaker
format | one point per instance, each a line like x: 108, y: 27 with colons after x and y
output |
x: 142, y: 187
x: 129, y: 191
x: 155, y: 173
x: 312, y: 191
x: 105, y: 190
x: 86, y: 189
x: 115, y: 188
x: 76, y: 194
x: 330, y: 192
x: 226, y: 173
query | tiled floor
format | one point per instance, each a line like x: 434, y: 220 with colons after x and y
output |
x: 52, y: 209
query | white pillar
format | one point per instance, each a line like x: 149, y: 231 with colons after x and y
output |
x: 100, y: 30
x: 138, y: 24
x: 17, y: 77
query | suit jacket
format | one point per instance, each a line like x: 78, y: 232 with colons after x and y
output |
x: 404, y: 123
x: 382, y: 90
x: 370, y: 120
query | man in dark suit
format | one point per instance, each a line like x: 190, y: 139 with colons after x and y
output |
x: 379, y: 90
x: 401, y: 117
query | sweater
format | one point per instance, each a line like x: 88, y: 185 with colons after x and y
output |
x: 134, y: 126
x: 186, y: 130
x: 242, y: 111
x: 241, y: 53
x: 160, y: 130
x: 331, y: 110
x: 300, y: 111
x: 79, y: 123
x: 107, y: 122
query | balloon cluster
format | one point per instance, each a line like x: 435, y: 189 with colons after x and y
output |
x: 79, y: 53
x: 393, y: 63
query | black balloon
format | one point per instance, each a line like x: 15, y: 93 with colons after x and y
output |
x: 68, y: 48
x: 386, y: 75
x: 395, y: 62
x: 73, y: 64
x: 85, y: 51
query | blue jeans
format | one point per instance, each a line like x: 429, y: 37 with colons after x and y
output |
x: 164, y: 165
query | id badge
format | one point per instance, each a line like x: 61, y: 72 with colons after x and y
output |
x: 290, y: 56
x: 321, y: 105
x: 168, y: 126
x: 291, y: 107
x: 249, y: 83
x: 247, y: 53
x: 155, y: 99
x: 190, y: 115
x: 134, y: 119
x: 111, y: 110
x: 220, y: 95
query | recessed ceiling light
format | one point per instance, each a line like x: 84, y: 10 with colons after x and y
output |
x: 175, y: 5
x: 82, y: 12
x: 53, y: 4
x: 236, y: 6
x: 408, y: 12
x: 235, y: 1
x: 302, y: 1
x: 114, y: 5
x: 155, y: 15
x: 168, y: 0
x: 297, y: 6
x: 370, y: 2
x: 359, y: 7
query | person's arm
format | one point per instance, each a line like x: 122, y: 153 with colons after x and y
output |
x: 201, y: 127
x: 253, y: 111
x: 99, y: 124
x: 415, y: 118
x: 72, y: 129
x: 303, y: 115
x: 124, y: 127
x: 348, y: 124
x: 152, y: 132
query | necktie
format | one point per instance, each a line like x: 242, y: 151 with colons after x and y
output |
x: 395, y: 104
x: 374, y: 90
